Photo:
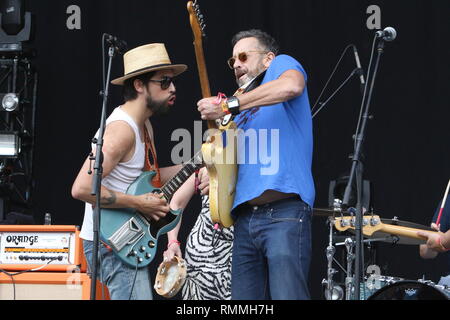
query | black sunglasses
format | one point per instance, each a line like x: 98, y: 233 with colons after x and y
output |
x: 164, y: 82
x: 242, y: 56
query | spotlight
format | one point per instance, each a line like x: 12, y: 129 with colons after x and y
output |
x: 9, y: 144
x: 10, y: 102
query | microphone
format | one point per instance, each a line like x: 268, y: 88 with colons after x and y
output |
x: 119, y: 45
x: 360, y: 70
x: 388, y: 34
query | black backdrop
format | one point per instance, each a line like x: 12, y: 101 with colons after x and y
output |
x: 407, y: 149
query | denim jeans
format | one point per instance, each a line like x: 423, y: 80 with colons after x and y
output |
x: 117, y: 276
x: 272, y: 251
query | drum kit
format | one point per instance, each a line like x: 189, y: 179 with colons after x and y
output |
x: 374, y: 286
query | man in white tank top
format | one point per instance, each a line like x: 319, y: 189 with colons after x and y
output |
x: 148, y: 90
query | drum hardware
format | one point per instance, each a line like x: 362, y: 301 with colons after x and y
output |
x: 349, y: 285
x: 332, y: 291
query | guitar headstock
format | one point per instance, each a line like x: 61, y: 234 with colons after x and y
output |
x: 197, y: 20
x: 370, y: 224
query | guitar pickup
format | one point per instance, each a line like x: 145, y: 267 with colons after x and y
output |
x: 127, y: 234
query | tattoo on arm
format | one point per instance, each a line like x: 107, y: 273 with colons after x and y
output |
x: 109, y: 200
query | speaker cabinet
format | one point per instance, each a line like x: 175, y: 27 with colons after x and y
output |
x: 49, y: 286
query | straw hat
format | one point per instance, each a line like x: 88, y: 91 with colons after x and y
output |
x: 147, y: 58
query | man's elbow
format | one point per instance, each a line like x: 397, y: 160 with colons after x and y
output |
x: 77, y: 192
x: 294, y: 91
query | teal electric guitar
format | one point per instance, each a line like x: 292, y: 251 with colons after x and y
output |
x: 132, y: 236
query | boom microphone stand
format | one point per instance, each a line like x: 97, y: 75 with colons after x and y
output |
x: 115, y: 46
x: 356, y: 172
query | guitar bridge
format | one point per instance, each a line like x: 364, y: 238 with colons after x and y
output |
x: 127, y: 234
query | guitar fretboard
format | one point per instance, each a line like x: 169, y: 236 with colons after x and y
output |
x: 186, y: 171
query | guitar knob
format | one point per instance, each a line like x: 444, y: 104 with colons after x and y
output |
x: 148, y: 255
x: 142, y: 249
x: 132, y: 253
x: 151, y: 244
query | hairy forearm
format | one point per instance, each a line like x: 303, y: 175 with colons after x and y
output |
x: 273, y: 92
x: 108, y: 198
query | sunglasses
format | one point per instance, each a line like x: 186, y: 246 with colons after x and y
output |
x: 243, y: 56
x: 164, y: 82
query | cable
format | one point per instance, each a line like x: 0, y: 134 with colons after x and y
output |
x: 103, y: 62
x: 12, y: 275
x: 134, y: 280
x: 365, y: 90
x: 331, y: 76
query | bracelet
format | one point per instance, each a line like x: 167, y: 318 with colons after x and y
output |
x: 224, y: 106
x: 173, y: 241
x: 442, y: 246
x: 222, y: 100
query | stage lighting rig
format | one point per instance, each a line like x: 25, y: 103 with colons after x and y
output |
x: 18, y: 96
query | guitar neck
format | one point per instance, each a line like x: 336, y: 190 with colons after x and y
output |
x: 401, y: 231
x: 198, y: 26
x: 171, y: 186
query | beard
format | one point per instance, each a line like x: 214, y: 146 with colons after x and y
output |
x: 158, y: 107
x: 251, y: 74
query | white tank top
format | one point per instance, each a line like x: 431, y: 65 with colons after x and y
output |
x: 124, y: 173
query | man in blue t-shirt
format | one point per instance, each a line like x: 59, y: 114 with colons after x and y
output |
x: 435, y: 243
x: 275, y: 188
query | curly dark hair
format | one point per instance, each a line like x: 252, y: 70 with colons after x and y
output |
x: 266, y: 40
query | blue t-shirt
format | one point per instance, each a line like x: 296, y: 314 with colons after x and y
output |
x: 275, y: 144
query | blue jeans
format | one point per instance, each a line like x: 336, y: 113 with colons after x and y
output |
x: 117, y: 276
x: 272, y: 251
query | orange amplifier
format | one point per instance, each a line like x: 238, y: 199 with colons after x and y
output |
x: 41, y: 248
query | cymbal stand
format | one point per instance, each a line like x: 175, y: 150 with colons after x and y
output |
x: 349, y: 285
x: 332, y: 292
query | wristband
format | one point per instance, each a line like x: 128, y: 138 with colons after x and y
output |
x: 173, y: 241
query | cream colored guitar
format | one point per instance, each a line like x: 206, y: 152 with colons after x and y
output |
x: 219, y: 152
x: 373, y: 227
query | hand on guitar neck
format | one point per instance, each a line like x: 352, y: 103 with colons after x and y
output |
x: 436, y: 242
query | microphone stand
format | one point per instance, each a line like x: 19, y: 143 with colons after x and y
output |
x: 98, y: 171
x: 356, y: 171
x: 322, y: 104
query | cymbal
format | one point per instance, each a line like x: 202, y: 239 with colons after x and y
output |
x: 401, y: 239
x: 324, y: 212
x: 394, y: 221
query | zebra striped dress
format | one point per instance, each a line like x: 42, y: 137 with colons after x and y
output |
x: 208, y: 259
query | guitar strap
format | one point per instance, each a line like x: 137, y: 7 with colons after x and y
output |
x: 150, y: 152
x: 254, y: 83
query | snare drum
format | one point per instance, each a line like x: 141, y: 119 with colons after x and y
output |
x: 409, y: 290
x: 170, y: 277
